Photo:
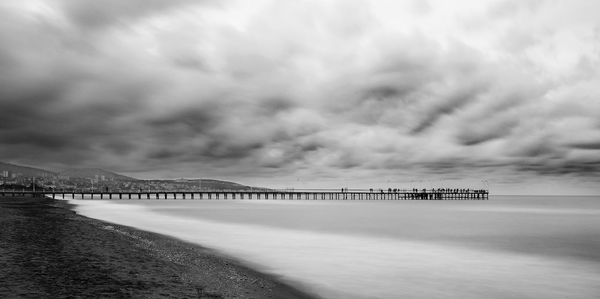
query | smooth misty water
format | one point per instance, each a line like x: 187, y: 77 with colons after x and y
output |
x: 507, y: 247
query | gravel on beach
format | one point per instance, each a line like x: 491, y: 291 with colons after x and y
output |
x: 49, y: 251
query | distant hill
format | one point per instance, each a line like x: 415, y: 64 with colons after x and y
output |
x: 205, y: 184
x: 25, y: 170
x: 108, y: 176
x: 217, y: 184
x: 93, y: 173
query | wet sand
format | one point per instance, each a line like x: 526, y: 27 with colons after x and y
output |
x: 48, y: 251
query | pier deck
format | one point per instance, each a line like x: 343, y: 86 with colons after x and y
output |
x: 432, y: 194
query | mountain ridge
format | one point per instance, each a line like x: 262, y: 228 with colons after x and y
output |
x: 99, y: 175
x: 25, y: 170
x: 95, y: 173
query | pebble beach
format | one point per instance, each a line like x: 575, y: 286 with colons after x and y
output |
x: 47, y: 250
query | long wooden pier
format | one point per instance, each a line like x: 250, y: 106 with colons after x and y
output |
x: 421, y: 194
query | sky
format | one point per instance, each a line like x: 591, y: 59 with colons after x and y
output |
x: 308, y: 93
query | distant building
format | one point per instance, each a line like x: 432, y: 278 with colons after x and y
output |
x: 5, y: 173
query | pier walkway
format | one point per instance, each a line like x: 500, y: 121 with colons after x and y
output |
x: 420, y: 194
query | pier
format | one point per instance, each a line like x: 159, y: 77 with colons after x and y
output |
x: 414, y: 194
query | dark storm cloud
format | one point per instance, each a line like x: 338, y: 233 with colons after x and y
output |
x: 89, y: 14
x: 473, y: 136
x: 587, y: 145
x: 204, y: 131
x: 310, y: 88
x: 197, y: 121
x: 577, y: 168
x: 448, y: 106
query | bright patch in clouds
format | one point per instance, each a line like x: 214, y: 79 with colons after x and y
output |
x: 316, y: 93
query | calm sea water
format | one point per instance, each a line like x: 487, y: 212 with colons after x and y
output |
x: 507, y: 247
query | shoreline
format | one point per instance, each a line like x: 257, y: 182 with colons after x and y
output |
x: 48, y: 250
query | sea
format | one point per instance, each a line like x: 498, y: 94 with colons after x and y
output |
x: 504, y: 247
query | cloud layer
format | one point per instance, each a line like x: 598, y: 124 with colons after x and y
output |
x: 315, y: 91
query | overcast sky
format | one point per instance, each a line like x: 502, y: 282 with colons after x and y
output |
x: 307, y: 93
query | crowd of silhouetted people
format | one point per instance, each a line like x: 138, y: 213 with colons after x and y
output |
x: 436, y: 190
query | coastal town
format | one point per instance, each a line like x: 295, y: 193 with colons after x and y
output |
x: 15, y: 177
